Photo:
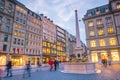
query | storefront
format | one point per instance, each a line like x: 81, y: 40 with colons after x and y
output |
x: 33, y: 59
x: 3, y: 59
x: 17, y: 60
x: 115, y: 56
x: 94, y: 57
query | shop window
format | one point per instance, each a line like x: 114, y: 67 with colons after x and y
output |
x: 118, y: 5
x: 99, y: 21
x: 4, y: 47
x: 102, y: 42
x: 110, y: 30
x: 3, y: 60
x: 92, y: 43
x: 112, y: 41
x: 100, y: 31
x: 104, y: 55
x: 90, y: 24
x: 92, y: 33
x: 5, y: 38
x: 115, y: 55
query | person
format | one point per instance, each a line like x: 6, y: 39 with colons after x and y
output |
x: 38, y: 64
x: 51, y: 64
x: 55, y: 64
x: 109, y: 62
x: 9, y: 68
x: 27, y: 69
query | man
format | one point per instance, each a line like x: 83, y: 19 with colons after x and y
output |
x: 9, y: 68
x: 55, y: 64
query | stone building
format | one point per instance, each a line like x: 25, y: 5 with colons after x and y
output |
x: 6, y: 22
x: 102, y: 25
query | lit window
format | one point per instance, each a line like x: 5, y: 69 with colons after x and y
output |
x: 90, y: 23
x: 19, y: 33
x: 15, y: 32
x: 118, y: 6
x: 100, y: 31
x: 94, y: 57
x: 110, y: 30
x: 44, y: 43
x: 115, y: 55
x: 102, y: 42
x: 17, y: 26
x: 92, y: 43
x: 112, y: 41
x: 92, y: 33
x: 99, y: 22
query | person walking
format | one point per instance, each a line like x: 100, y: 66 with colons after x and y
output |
x: 51, y: 64
x: 55, y: 64
x: 27, y: 69
x: 9, y: 68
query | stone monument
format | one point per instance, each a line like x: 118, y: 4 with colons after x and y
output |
x: 78, y: 48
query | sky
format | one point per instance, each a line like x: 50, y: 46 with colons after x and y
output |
x: 62, y: 12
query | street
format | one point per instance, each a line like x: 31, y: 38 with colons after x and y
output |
x: 109, y: 73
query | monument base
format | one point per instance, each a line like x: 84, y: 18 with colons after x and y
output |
x: 80, y: 68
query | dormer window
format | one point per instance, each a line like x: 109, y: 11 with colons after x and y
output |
x: 89, y: 13
x: 97, y: 11
x: 106, y: 9
x: 118, y: 5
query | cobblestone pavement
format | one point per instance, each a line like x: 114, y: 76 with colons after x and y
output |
x: 109, y: 73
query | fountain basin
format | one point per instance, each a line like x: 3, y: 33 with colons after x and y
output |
x: 81, y: 68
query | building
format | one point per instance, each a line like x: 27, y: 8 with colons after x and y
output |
x: 61, y: 44
x: 17, y: 49
x: 70, y: 45
x: 6, y: 22
x: 49, y: 40
x: 33, y: 38
x: 102, y: 25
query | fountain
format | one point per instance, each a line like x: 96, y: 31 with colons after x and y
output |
x: 79, y: 67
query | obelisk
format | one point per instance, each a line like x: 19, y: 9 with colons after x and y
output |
x: 78, y: 48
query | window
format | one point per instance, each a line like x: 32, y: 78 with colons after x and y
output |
x: 115, y: 55
x: 1, y: 9
x: 15, y: 40
x: 19, y: 34
x: 17, y: 19
x: 102, y: 42
x: 92, y: 43
x: 5, y: 38
x: 7, y: 29
x: 18, y: 12
x: 22, y: 42
x: 18, y: 41
x: 1, y: 18
x: 112, y: 41
x: 10, y: 6
x: 100, y: 31
x: 8, y: 21
x: 118, y: 5
x: 99, y: 22
x: 110, y: 30
x: 4, y: 47
x: 92, y: 33
x: 2, y: 2
x: 90, y: 24
x: 108, y: 19
x: 94, y: 57
x: 15, y: 33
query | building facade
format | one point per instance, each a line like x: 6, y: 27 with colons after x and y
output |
x: 61, y: 44
x: 49, y: 40
x: 18, y: 35
x: 6, y: 22
x: 102, y: 25
x: 33, y: 38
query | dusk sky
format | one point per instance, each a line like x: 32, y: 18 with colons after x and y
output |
x: 62, y: 11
